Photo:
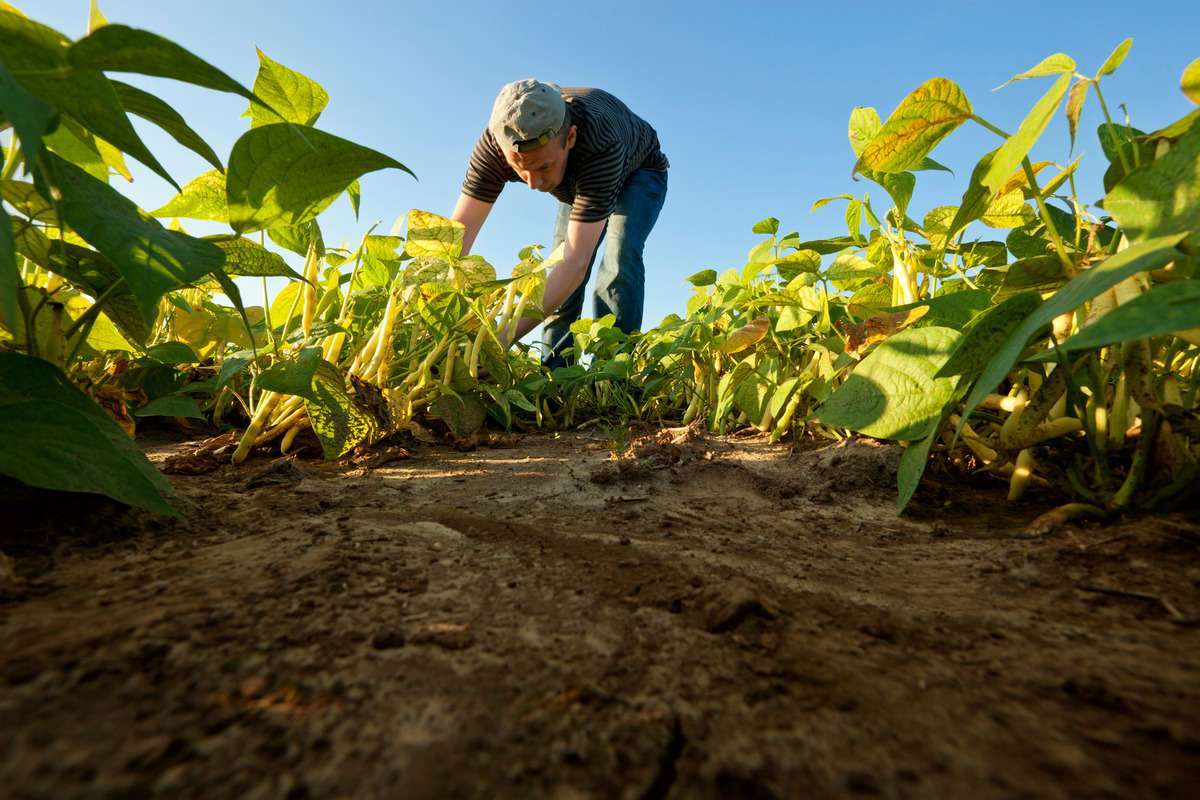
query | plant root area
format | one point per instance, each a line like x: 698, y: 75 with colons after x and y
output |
x: 641, y: 614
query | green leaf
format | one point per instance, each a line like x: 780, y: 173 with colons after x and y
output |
x: 230, y: 367
x: 952, y: 310
x: 1140, y: 257
x: 1057, y: 64
x: 463, y: 414
x: 285, y: 174
x: 173, y: 353
x: 292, y: 377
x: 9, y: 277
x: 152, y: 259
x: 285, y: 302
x: 72, y: 141
x: 1164, y: 309
x: 297, y: 238
x: 246, y: 257
x: 202, y: 198
x: 29, y: 116
x: 796, y: 263
x: 57, y: 438
x: 119, y: 48
x: 1162, y: 197
x: 1042, y: 272
x: 24, y: 197
x: 96, y: 17
x: 770, y: 225
x: 851, y: 266
x: 1114, y: 138
x: 1017, y: 146
x: 1009, y: 210
x: 864, y: 124
x: 987, y: 332
x: 37, y: 57
x: 93, y: 274
x: 705, y: 277
x: 893, y: 393
x: 1114, y: 59
x: 1075, y: 101
x: 924, y: 118
x: 155, y: 110
x: 913, y: 461
x: 354, y: 194
x: 171, y: 405
x: 293, y: 97
x: 1190, y: 81
x: 339, y: 422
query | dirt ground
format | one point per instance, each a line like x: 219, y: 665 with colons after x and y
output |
x: 700, y: 618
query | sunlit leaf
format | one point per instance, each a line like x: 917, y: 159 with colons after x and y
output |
x: 153, y: 109
x: 1017, y: 146
x: 1162, y: 197
x: 433, y: 235
x: 202, y: 198
x: 893, y: 393
x: 1114, y: 59
x: 1057, y: 64
x: 1190, y: 81
x: 1164, y: 309
x: 749, y: 334
x: 292, y: 96
x: 285, y: 174
x: 924, y: 118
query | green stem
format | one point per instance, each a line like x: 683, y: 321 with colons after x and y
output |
x: 90, y: 315
x: 998, y: 131
x: 10, y: 159
x: 1141, y: 459
x: 1112, y: 130
x: 1051, y: 231
x: 31, y: 345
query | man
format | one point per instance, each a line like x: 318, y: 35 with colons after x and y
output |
x: 603, y: 163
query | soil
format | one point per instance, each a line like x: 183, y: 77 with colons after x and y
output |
x: 568, y: 617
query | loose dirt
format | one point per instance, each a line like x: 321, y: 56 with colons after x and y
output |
x: 699, y: 617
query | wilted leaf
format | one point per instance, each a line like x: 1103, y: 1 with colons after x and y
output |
x: 247, y: 257
x: 338, y: 420
x: 749, y: 334
x: 1075, y: 102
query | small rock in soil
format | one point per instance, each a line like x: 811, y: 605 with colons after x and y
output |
x: 448, y: 635
x: 730, y: 604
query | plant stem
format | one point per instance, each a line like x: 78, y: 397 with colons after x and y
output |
x: 10, y: 159
x: 90, y: 315
x: 1052, y: 231
x: 1112, y: 130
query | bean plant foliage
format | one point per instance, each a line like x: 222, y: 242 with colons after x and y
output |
x: 1019, y: 330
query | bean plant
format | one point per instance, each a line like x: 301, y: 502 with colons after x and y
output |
x: 1023, y: 332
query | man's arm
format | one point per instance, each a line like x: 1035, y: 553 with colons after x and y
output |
x: 471, y: 213
x: 566, y: 276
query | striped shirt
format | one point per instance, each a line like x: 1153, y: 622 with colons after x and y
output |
x: 611, y: 144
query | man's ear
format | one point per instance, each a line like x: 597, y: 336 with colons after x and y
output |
x: 571, y: 135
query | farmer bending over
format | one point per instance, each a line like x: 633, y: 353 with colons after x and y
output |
x: 603, y: 163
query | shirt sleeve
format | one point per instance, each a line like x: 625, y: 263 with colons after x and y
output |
x: 487, y: 170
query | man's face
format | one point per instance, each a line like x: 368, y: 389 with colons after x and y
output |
x: 542, y: 169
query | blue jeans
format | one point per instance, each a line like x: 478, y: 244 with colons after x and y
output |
x: 621, y: 282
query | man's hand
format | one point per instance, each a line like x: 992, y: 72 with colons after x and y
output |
x: 565, y: 277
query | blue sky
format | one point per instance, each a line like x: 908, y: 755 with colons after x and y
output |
x: 750, y: 102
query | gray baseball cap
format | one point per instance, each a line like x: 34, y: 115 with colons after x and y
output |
x: 527, y: 114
